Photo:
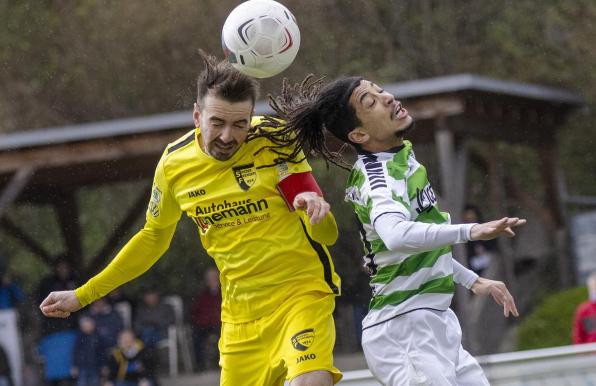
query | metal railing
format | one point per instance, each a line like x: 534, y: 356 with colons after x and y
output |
x: 557, y: 366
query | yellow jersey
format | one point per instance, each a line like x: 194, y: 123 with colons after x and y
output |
x: 264, y: 251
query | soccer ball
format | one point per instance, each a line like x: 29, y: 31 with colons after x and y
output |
x: 260, y: 38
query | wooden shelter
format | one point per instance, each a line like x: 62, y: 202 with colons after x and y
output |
x: 48, y: 166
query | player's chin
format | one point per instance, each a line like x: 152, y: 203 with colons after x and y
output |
x: 221, y: 155
x: 404, y: 123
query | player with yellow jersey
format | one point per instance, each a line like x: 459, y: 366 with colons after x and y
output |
x: 277, y: 277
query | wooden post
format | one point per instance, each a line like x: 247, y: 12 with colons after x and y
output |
x: 551, y: 176
x: 17, y: 183
x: 67, y: 211
x: 135, y: 211
x: 498, y: 204
x: 453, y: 162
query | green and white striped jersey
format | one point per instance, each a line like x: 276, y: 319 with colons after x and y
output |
x: 394, y: 182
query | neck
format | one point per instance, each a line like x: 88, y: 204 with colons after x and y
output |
x: 383, y: 146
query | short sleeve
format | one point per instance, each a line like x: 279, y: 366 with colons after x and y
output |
x: 286, y: 168
x: 163, y: 210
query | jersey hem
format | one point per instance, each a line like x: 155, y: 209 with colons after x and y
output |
x: 400, y: 314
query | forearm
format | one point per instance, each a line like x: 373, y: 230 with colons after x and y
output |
x: 415, y: 237
x: 136, y: 257
x: 463, y: 276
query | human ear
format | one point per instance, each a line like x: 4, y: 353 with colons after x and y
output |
x: 196, y: 115
x: 358, y: 136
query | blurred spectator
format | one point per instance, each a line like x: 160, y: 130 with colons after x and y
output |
x: 151, y: 321
x: 87, y: 354
x: 205, y: 316
x: 62, y: 279
x: 153, y: 318
x: 123, y: 305
x: 479, y: 251
x: 108, y: 325
x: 11, y: 294
x: 56, y: 352
x: 584, y: 325
x: 5, y: 373
x: 128, y: 365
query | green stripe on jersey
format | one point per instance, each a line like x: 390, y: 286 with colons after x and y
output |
x: 400, y: 200
x: 363, y: 212
x: 397, y: 170
x: 409, y: 266
x: 417, y: 180
x: 378, y: 246
x: 398, y: 166
x: 442, y: 285
x: 356, y: 178
x: 433, y: 216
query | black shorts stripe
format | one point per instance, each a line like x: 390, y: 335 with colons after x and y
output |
x: 324, y: 258
x: 182, y: 143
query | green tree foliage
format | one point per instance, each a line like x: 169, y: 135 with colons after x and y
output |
x: 74, y: 61
x: 551, y: 322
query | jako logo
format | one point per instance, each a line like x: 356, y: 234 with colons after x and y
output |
x: 196, y: 193
x: 305, y: 357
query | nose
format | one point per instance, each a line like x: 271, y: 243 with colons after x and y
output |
x: 226, y: 135
x: 388, y: 98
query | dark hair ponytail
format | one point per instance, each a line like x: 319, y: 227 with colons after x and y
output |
x: 309, y: 109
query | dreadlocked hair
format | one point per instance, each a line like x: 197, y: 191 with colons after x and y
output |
x: 304, y: 108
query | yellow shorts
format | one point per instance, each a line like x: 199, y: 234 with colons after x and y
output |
x: 295, y: 339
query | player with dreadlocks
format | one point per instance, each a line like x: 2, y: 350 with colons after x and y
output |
x: 410, y: 336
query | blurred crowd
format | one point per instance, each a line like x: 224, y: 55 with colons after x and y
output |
x: 116, y: 341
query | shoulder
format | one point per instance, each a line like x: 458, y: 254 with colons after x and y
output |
x: 177, y: 154
x: 372, y: 164
x: 270, y: 144
x: 266, y: 130
x: 183, y: 142
x: 268, y: 123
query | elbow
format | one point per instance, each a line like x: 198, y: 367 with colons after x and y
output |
x: 397, y: 246
x: 403, y: 245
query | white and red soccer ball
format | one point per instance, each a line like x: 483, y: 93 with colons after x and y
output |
x: 260, y: 38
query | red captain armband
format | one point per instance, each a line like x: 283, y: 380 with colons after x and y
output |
x: 297, y: 183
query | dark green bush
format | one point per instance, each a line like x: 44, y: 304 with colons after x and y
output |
x: 550, y: 323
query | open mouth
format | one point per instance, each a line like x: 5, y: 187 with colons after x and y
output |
x: 399, y: 112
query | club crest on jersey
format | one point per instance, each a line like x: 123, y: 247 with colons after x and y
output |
x: 245, y: 175
x: 155, y: 200
x: 304, y: 339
